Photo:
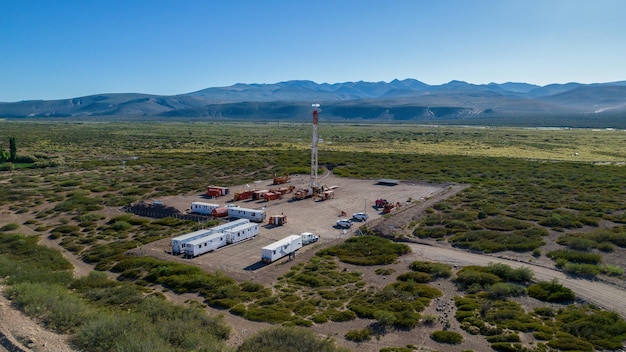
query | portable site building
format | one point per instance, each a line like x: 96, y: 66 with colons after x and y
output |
x: 242, y: 232
x: 205, y: 244
x: 203, y: 208
x: 229, y: 225
x: 256, y: 215
x: 287, y: 246
x: 179, y: 243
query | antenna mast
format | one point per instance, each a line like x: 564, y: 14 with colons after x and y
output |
x: 314, y: 163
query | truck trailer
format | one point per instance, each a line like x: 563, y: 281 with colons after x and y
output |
x: 287, y: 246
x: 256, y: 215
x: 203, y: 208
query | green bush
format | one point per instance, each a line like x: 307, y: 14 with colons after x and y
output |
x: 575, y: 256
x: 288, y: 339
x: 581, y: 269
x: 359, y: 335
x: 551, y: 291
x: 9, y: 227
x: 449, y: 337
x: 438, y: 270
x: 367, y: 250
x: 415, y: 277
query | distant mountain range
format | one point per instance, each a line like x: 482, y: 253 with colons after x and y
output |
x: 406, y: 101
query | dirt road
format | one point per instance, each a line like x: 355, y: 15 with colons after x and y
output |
x: 601, y: 294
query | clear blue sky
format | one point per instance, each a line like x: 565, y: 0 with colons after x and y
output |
x: 69, y: 48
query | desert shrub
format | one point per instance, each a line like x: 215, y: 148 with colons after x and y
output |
x: 359, y: 335
x: 501, y: 290
x: 340, y: 316
x: 575, y: 256
x: 545, y: 311
x: 433, y: 232
x: 506, y: 273
x: 397, y: 349
x: 604, y: 330
x: 238, y: 309
x: 415, y: 277
x: 611, y: 270
x: 438, y: 270
x: 406, y: 319
x: 319, y: 319
x: 551, y: 291
x: 504, y: 338
x: 9, y: 227
x: 59, y: 310
x: 473, y: 275
x: 287, y: 339
x: 506, y: 347
x: 581, y: 269
x: 567, y: 342
x: 270, y: 314
x: 384, y: 271
x: 501, y: 223
x: 489, y: 241
x: 120, y: 226
x: 367, y: 250
x: 449, y: 337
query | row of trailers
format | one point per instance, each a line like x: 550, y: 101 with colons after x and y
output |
x: 231, y: 211
x: 199, y: 242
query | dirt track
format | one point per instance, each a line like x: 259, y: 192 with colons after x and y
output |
x: 601, y: 294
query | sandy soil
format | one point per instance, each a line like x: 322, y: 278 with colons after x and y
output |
x: 242, y: 262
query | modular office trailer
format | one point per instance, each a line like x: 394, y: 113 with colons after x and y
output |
x: 256, y: 215
x: 203, y: 208
x: 205, y: 244
x: 220, y: 239
x: 242, y: 232
x: 178, y: 243
x: 287, y: 246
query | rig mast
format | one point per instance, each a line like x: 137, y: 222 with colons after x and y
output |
x: 314, y: 164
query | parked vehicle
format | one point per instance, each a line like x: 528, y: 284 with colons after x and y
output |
x: 344, y: 223
x: 308, y: 238
x: 360, y: 216
x: 279, y: 180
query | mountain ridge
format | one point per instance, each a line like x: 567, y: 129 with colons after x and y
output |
x: 407, y: 100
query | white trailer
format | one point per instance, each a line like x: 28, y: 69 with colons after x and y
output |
x: 287, y: 246
x: 205, y: 244
x: 256, y: 215
x: 203, y: 208
x: 242, y: 232
x: 179, y: 243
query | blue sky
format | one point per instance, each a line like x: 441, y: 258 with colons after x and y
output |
x: 69, y: 48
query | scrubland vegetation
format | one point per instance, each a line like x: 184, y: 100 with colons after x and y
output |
x: 527, y: 188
